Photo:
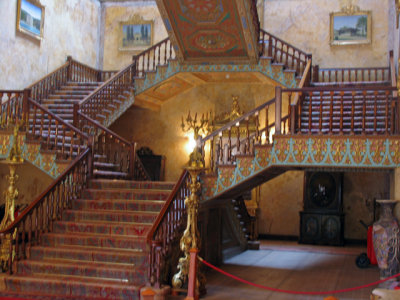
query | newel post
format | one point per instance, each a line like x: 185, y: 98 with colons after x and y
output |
x: 91, y: 156
x: 69, y: 71
x: 315, y: 71
x: 278, y: 109
x: 75, y: 115
x: 132, y: 161
x: 25, y: 107
x: 293, y: 118
x: 191, y: 294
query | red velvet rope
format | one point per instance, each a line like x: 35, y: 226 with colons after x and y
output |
x: 295, y: 292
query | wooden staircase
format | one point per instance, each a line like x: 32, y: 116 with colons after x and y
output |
x: 98, y: 248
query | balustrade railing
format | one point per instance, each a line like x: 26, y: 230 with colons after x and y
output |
x: 239, y: 136
x: 167, y: 230
x: 156, y: 55
x: 336, y: 110
x: 38, y: 218
x: 376, y: 75
x: 283, y: 52
x: 105, y: 97
x: 111, y: 148
x: 72, y: 70
x: 12, y: 103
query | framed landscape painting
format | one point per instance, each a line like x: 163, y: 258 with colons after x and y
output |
x: 350, y: 29
x: 136, y: 35
x: 30, y: 18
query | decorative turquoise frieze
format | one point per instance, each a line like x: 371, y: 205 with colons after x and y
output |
x: 368, y: 152
x: 264, y: 66
x: 31, y: 153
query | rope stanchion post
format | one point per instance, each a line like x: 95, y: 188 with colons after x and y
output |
x: 191, y: 294
x: 296, y: 292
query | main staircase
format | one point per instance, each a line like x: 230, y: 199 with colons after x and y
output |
x: 98, y: 248
x: 95, y: 232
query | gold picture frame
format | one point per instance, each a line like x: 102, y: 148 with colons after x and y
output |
x: 30, y: 18
x: 350, y: 27
x: 136, y: 34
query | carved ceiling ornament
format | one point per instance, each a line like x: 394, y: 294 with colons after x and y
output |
x: 349, y: 7
x: 235, y: 112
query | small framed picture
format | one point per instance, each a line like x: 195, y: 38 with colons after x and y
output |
x: 350, y: 29
x: 136, y: 35
x: 30, y: 18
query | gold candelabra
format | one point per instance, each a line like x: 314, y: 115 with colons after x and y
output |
x: 11, y: 195
x: 204, y: 125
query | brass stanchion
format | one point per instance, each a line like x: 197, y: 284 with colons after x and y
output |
x: 11, y: 195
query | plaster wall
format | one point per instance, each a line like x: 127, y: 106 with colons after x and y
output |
x: 112, y: 14
x: 71, y: 27
x: 305, y: 24
x: 31, y: 182
x: 161, y: 131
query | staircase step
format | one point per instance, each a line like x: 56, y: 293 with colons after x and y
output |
x: 72, y: 286
x: 110, y: 174
x: 128, y: 194
x: 112, y: 216
x: 130, y: 184
x: 117, y: 204
x: 86, y: 253
x: 109, y: 228
x: 94, y: 240
x: 120, y: 272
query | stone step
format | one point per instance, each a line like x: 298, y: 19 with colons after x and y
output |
x: 111, y: 216
x: 119, y: 272
x: 110, y: 174
x: 108, y: 228
x: 130, y: 184
x: 128, y: 194
x: 73, y: 286
x: 118, y: 204
x: 94, y: 240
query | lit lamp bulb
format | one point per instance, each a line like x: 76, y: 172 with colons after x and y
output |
x: 191, y: 143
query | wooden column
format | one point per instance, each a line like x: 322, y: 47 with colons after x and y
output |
x: 278, y: 109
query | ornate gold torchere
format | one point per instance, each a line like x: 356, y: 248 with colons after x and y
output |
x: 11, y: 195
x: 191, y: 236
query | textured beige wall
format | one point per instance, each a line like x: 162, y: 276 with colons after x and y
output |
x: 31, y: 182
x: 71, y: 27
x: 281, y: 200
x: 115, y: 13
x: 359, y: 190
x: 161, y: 130
x: 305, y: 24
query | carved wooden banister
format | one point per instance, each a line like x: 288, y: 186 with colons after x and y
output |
x: 361, y: 109
x: 167, y: 229
x: 156, y: 55
x: 394, y: 83
x: 283, y: 52
x: 240, y: 135
x: 115, y: 148
x: 38, y: 218
x: 55, y: 134
x: 72, y: 70
x: 13, y: 104
x: 376, y: 75
x: 106, y: 95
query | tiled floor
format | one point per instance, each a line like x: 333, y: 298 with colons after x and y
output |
x: 289, y: 266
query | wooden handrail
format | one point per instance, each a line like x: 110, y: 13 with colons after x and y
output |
x: 33, y: 221
x: 305, y: 76
x: 239, y: 119
x: 61, y: 121
x: 167, y: 228
x: 167, y: 204
x: 49, y: 75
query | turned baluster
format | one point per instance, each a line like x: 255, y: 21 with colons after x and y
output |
x: 341, y: 110
x: 220, y: 149
x: 321, y: 99
x: 352, y: 111
x: 257, y: 136
x: 247, y: 146
x: 238, y: 138
x: 331, y: 93
x: 375, y: 110
x: 229, y: 145
x: 364, y: 111
x: 310, y: 96
x: 387, y: 111
x: 267, y: 124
